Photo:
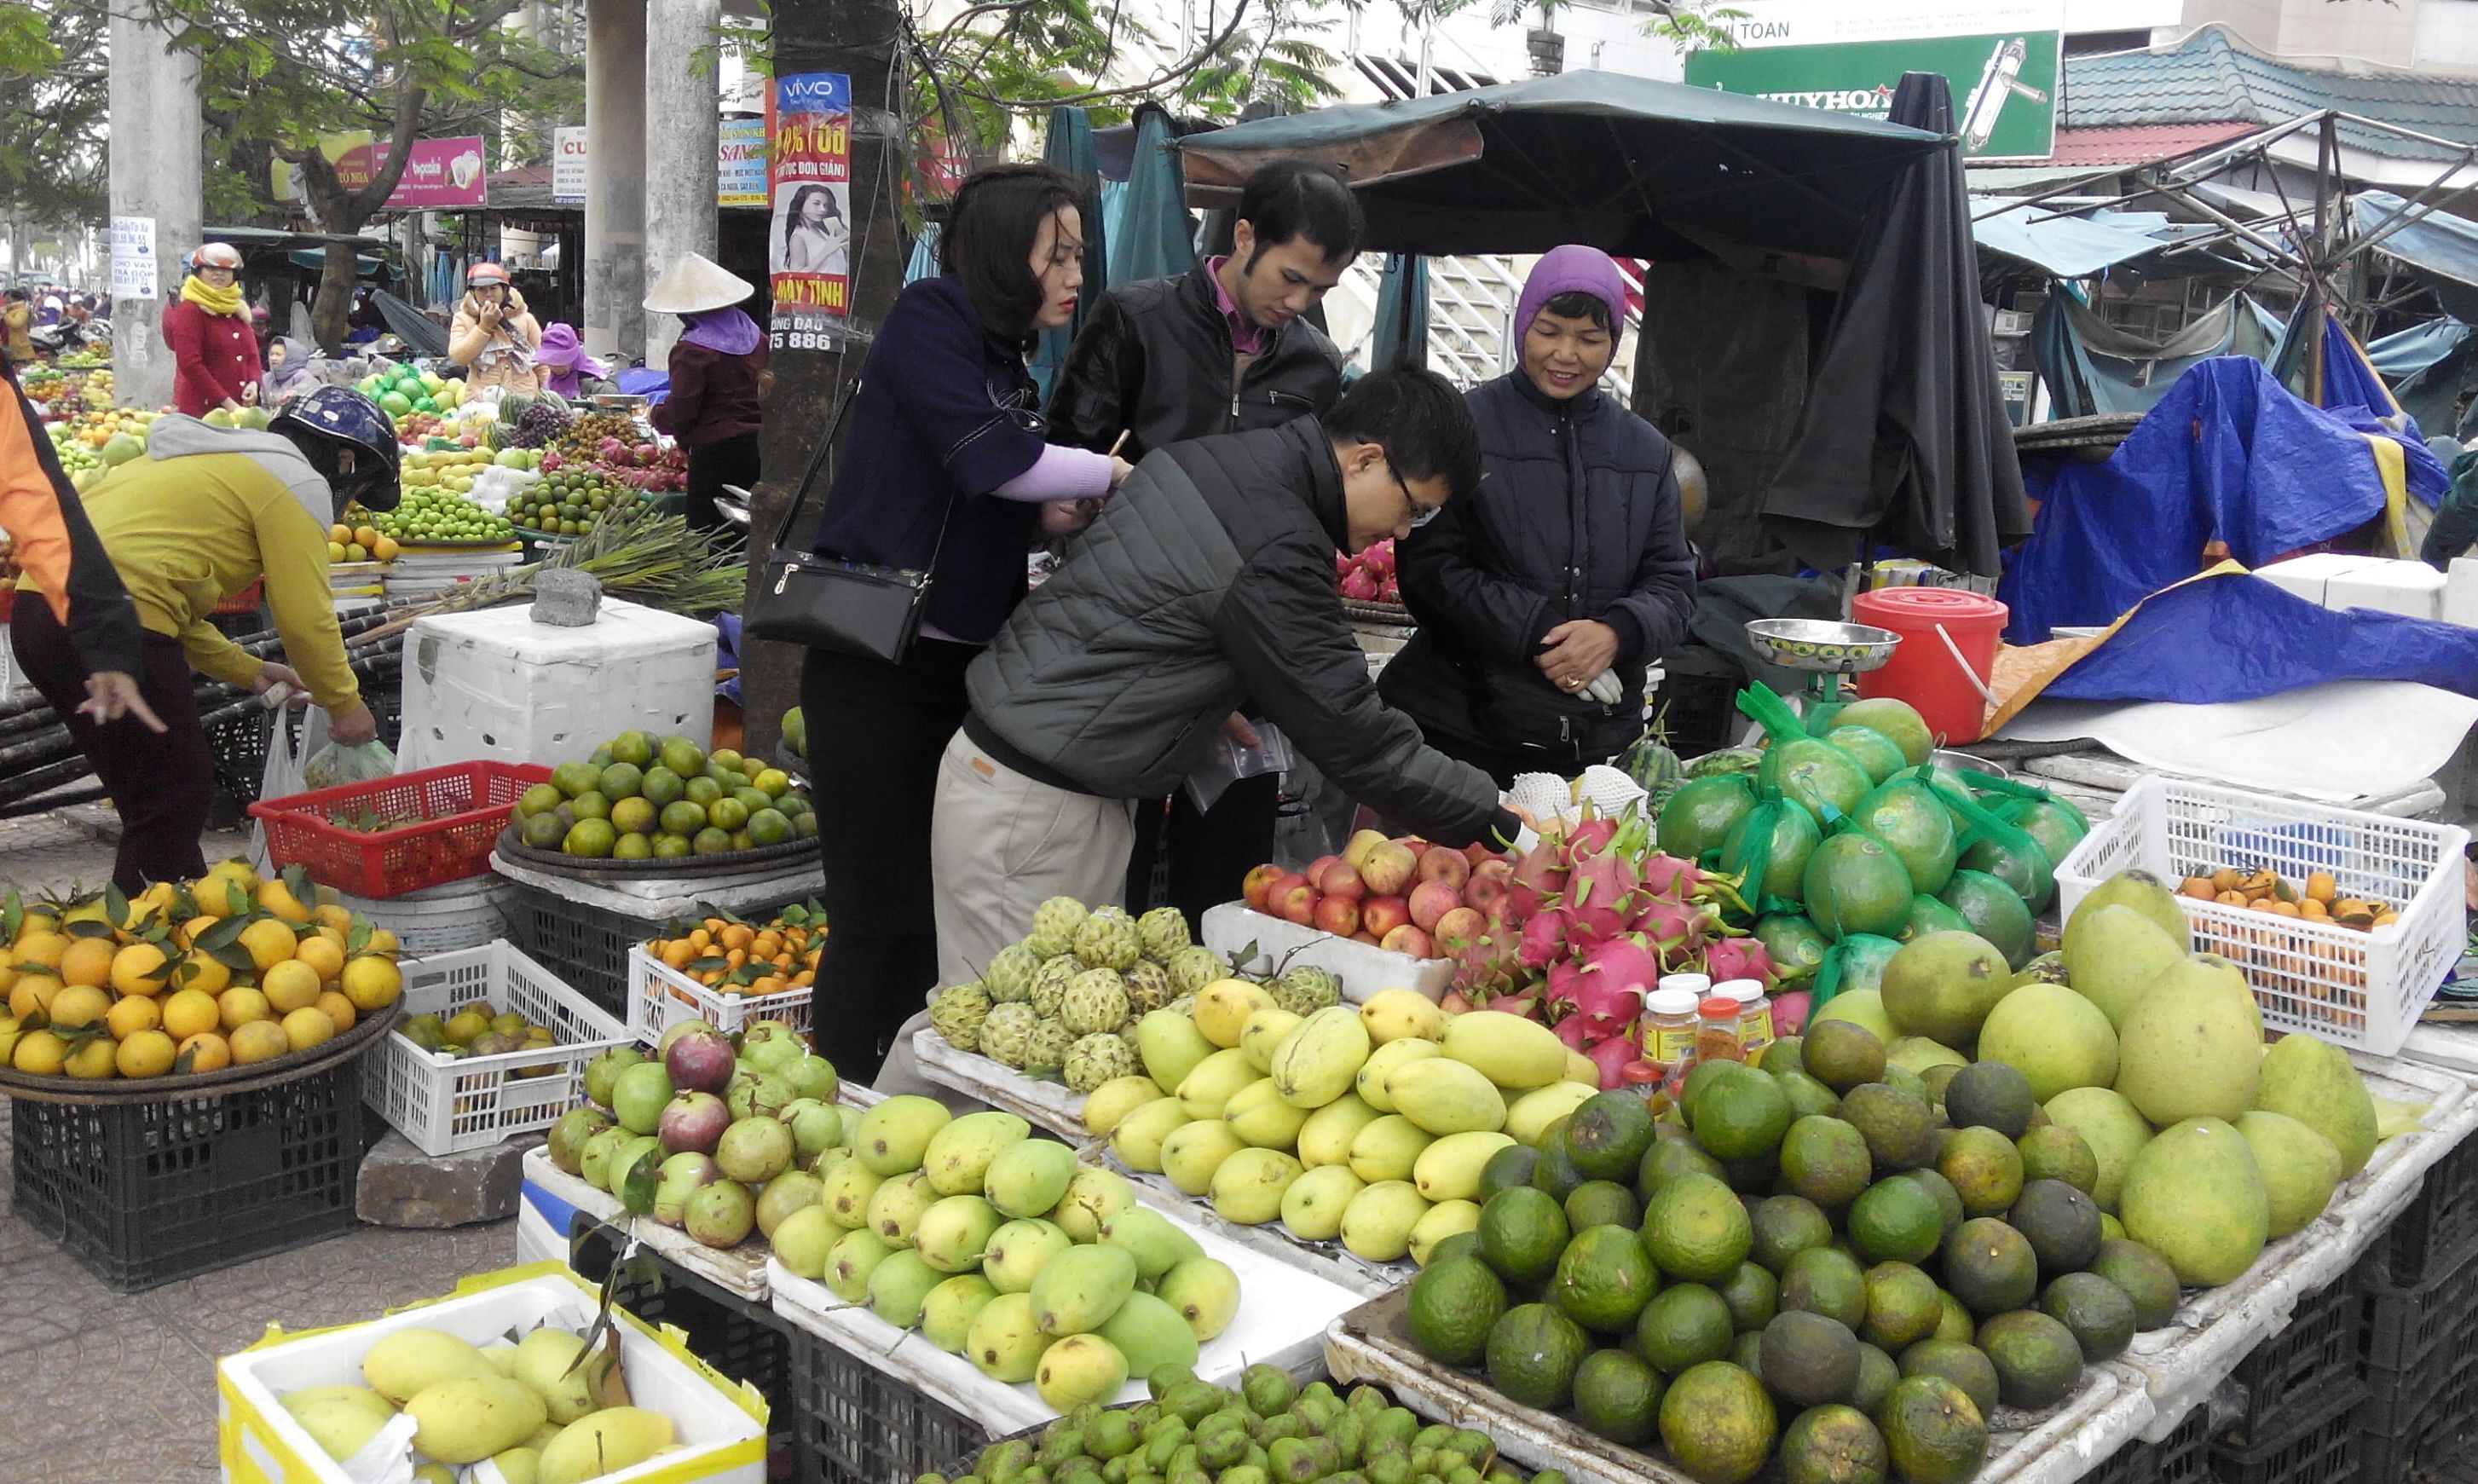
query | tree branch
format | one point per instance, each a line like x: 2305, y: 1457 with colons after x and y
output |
x: 1211, y: 48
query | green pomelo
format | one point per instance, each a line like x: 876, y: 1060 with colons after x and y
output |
x: 2312, y: 1082
x: 1912, y: 823
x: 2196, y: 1196
x: 1994, y: 911
x: 1816, y: 774
x: 1781, y: 868
x: 1943, y: 986
x: 1700, y: 816
x: 1852, y: 884
x: 1872, y: 749
x: 2300, y: 1169
x: 1897, y: 720
x: 2192, y: 1045
x: 2054, y: 1037
x: 2147, y: 895
x: 2113, y: 953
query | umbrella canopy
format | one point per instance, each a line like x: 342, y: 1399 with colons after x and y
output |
x: 1636, y: 167
x: 1904, y: 439
x: 1154, y: 240
x: 1401, y: 334
x: 1071, y: 150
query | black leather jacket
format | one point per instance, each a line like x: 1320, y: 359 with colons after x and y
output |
x: 1156, y: 363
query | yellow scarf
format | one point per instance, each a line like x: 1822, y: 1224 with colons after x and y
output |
x: 215, y: 301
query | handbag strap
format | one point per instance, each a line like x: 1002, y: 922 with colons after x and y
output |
x: 818, y: 458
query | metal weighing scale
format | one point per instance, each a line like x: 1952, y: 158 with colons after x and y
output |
x: 1825, y: 650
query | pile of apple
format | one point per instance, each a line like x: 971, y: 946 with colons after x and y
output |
x: 1405, y: 895
x: 1368, y: 576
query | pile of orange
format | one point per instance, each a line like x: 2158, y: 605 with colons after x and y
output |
x: 745, y: 958
x: 226, y: 970
x: 2318, y: 900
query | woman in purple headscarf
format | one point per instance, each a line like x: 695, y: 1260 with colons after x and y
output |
x: 717, y: 380
x: 565, y: 367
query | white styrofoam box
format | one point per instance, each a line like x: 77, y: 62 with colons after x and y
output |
x: 1282, y: 1315
x: 2411, y: 588
x: 2310, y: 575
x: 661, y: 996
x: 1364, y: 968
x: 495, y: 684
x: 719, y: 1424
x: 445, y: 1104
x: 2461, y: 592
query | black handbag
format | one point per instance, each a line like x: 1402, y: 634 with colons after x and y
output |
x: 825, y: 602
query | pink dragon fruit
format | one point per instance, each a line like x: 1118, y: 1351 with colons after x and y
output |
x: 1789, y: 1012
x: 1538, y: 876
x: 1623, y: 964
x: 1666, y: 875
x: 1611, y: 1057
x: 1573, y: 1032
x: 1543, y: 937
x: 1592, y: 836
x: 1358, y: 587
x: 1739, y: 958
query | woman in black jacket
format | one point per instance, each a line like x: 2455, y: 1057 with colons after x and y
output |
x: 1571, y: 563
x: 945, y: 468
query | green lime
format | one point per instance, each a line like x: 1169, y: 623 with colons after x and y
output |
x: 1684, y: 1325
x: 702, y: 791
x: 621, y: 780
x: 590, y: 839
x: 670, y: 848
x: 769, y: 827
x: 726, y: 814
x: 710, y: 841
x: 539, y: 799
x: 683, y: 818
x: 633, y: 817
x: 632, y: 846
x: 1522, y: 1233
x: 1896, y: 1221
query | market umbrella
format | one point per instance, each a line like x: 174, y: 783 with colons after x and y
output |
x: 1904, y: 439
x: 1155, y: 238
x: 1401, y: 334
x: 1636, y: 167
x: 1071, y: 150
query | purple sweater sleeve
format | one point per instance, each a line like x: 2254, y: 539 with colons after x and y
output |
x: 1060, y: 473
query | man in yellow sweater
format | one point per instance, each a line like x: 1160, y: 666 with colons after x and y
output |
x: 206, y: 513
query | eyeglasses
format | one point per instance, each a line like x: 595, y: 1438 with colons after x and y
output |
x: 1421, y: 515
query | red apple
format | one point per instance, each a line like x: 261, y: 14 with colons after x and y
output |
x: 1315, y: 870
x: 1388, y: 869
x: 1260, y: 884
x: 1294, y: 898
x: 1341, y: 879
x: 1431, y: 900
x: 1494, y: 868
x: 1458, y: 929
x: 1455, y: 1002
x: 1338, y: 916
x: 1485, y: 892
x: 1357, y: 852
x: 1364, y: 935
x: 1382, y: 915
x: 1447, y: 868
x: 1479, y: 853
x: 1408, y: 940
x: 1415, y: 845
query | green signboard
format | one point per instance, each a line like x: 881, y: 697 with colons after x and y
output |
x: 2004, y: 85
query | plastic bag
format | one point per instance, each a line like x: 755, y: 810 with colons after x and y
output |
x: 338, y: 764
x: 1228, y: 761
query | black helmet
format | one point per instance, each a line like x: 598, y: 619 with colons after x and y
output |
x: 332, y: 418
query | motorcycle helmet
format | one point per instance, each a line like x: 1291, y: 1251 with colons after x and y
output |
x: 215, y: 255
x: 482, y: 275
x: 329, y: 421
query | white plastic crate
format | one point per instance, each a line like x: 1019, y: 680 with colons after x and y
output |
x: 661, y: 996
x: 2352, y: 987
x: 447, y: 1104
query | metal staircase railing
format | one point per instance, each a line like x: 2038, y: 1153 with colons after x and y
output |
x: 1471, y: 308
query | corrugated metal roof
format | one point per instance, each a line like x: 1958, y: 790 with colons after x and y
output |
x: 2207, y: 79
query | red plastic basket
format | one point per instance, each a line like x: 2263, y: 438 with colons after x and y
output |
x: 245, y: 601
x: 463, y: 806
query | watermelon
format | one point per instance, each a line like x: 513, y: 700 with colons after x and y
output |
x: 1852, y: 884
x: 1909, y: 817
x: 1776, y: 867
x: 1816, y: 774
x: 1793, y: 944
x: 1741, y: 761
x: 1698, y: 819
x: 1995, y: 911
x: 1652, y: 765
x: 1874, y: 751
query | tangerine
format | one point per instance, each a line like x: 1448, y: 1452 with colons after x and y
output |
x: 93, y: 1060
x: 132, y: 1013
x: 269, y: 942
x: 242, y: 1005
x: 39, y: 1054
x: 308, y: 1027
x: 140, y: 970
x: 372, y: 983
x: 149, y: 1053
x: 40, y: 945
x: 188, y: 1012
x: 79, y: 1004
x: 259, y: 1041
x: 206, y: 1051
x: 289, y: 986
x: 88, y: 962
x: 339, y: 1009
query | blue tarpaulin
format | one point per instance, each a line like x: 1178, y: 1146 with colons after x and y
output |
x: 2237, y: 638
x: 2092, y: 367
x: 2441, y: 249
x: 1154, y: 237
x: 2355, y: 394
x: 2227, y: 455
x: 1402, y: 333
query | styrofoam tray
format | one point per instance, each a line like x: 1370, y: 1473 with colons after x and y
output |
x: 1282, y: 1322
x: 1052, y: 1105
x: 1331, y: 1261
x: 721, y: 1425
x: 1364, y: 968
x: 1371, y: 1344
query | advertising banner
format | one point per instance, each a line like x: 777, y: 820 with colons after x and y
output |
x: 442, y: 174
x: 134, y: 272
x: 808, y: 177
x: 740, y: 163
x: 567, y: 166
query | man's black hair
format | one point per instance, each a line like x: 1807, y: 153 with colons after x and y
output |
x: 1291, y: 198
x: 989, y: 237
x: 1419, y: 419
x: 1576, y: 304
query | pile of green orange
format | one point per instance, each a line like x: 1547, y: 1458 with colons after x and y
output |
x: 566, y: 502
x: 639, y: 797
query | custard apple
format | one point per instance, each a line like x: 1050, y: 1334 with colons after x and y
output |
x: 1135, y: 1042
x: 1108, y: 940
x: 1045, y: 1051
x: 1009, y: 976
x: 1147, y: 987
x: 1185, y: 1005
x: 1163, y: 931
x: 1306, y: 990
x: 1095, y: 1059
x: 1192, y: 968
x: 1007, y: 1034
x: 1096, y: 1001
x: 1053, y: 926
x: 959, y: 1013
x: 1051, y: 981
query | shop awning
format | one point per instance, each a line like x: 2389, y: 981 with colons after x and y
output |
x: 2440, y: 247
x: 1637, y: 167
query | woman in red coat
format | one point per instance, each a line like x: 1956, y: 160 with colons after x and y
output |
x: 215, y: 352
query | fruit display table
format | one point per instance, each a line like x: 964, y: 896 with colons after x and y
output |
x: 740, y: 1271
x: 1328, y: 1260
x: 1364, y: 969
x: 1044, y: 1104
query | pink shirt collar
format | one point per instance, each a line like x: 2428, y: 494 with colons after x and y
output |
x: 1246, y: 339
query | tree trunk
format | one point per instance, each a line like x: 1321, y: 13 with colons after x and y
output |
x: 847, y: 37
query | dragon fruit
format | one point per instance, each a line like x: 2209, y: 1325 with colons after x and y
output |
x: 1739, y: 958
x: 1611, y: 1057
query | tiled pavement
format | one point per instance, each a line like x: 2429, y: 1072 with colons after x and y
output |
x: 106, y: 1388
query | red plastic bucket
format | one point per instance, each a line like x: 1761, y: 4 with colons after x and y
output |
x: 1925, y: 670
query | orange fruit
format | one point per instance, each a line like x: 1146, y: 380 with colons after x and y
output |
x: 188, y: 1012
x: 274, y: 896
x: 32, y: 996
x: 41, y: 946
x: 39, y: 1054
x: 240, y: 1006
x: 2321, y: 888
x: 289, y: 986
x: 259, y: 1041
x: 140, y: 970
x: 308, y: 1027
x: 372, y: 983
x: 88, y: 962
x: 269, y: 943
x: 322, y: 953
x: 149, y: 1053
x: 93, y: 1061
x: 334, y: 916
x: 79, y: 1004
x: 382, y: 942
x: 205, y: 1051
x: 133, y: 1013
x: 202, y: 971
x: 337, y: 1008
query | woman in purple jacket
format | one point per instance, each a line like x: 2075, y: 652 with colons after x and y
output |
x: 945, y: 468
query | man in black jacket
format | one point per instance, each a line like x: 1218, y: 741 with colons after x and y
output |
x: 1222, y: 348
x: 1206, y: 580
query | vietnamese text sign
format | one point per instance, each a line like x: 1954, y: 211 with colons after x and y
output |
x: 1760, y: 23
x: 135, y: 273
x: 2003, y: 83
x: 567, y: 166
x: 809, y: 178
x: 442, y: 174
x: 740, y: 163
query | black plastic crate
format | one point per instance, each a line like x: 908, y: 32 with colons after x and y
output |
x: 238, y: 745
x: 2323, y: 1449
x: 2299, y: 1368
x: 1696, y: 712
x: 2412, y: 1330
x: 741, y: 1339
x: 2182, y: 1457
x: 2439, y: 1233
x: 146, y: 1194
x: 586, y: 946
x: 855, y: 1424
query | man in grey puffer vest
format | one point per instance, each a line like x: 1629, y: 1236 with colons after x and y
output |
x: 1208, y: 579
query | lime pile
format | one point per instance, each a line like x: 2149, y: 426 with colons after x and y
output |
x: 567, y: 503
x: 404, y: 389
x: 429, y: 515
x: 638, y: 798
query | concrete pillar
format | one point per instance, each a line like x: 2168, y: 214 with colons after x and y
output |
x: 155, y: 176
x: 614, y: 178
x: 680, y: 81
